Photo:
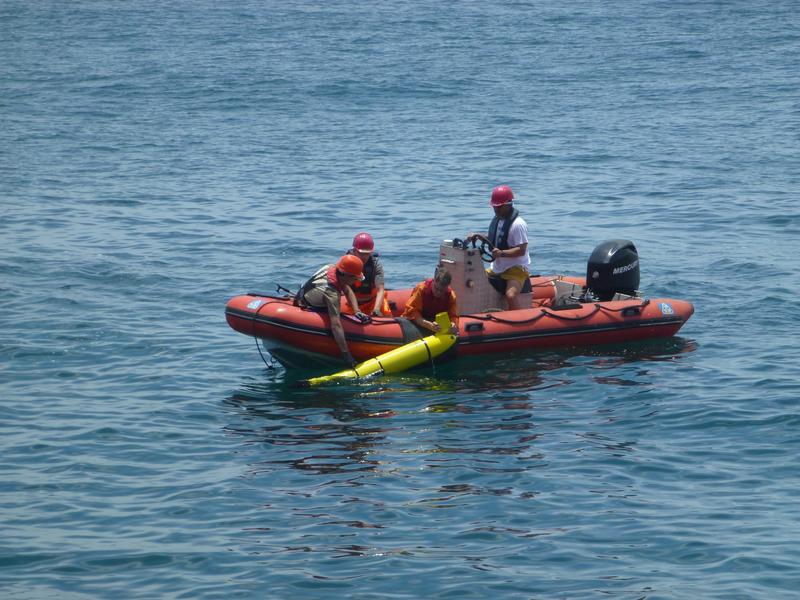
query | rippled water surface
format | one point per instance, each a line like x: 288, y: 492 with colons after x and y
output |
x: 156, y: 159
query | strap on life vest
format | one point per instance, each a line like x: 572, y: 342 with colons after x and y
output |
x: 319, y: 276
x: 502, y: 243
x: 365, y: 289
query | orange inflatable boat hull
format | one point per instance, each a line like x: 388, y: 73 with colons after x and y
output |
x: 296, y: 336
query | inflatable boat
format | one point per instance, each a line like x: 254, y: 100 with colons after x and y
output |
x: 605, y: 307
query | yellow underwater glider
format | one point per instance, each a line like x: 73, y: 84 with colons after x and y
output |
x: 402, y: 358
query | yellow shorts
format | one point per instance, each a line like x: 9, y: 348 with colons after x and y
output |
x: 515, y: 273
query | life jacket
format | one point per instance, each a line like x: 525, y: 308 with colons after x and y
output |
x: 431, y: 305
x: 502, y: 243
x: 322, y: 278
x: 364, y: 290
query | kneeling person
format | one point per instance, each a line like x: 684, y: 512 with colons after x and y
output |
x: 370, y: 293
x: 431, y: 297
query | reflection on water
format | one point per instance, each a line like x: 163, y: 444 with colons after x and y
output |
x: 349, y: 427
x: 464, y: 460
x: 529, y: 370
x: 514, y: 370
x: 338, y: 431
x: 616, y: 448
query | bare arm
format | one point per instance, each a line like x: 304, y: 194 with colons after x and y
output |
x: 425, y: 324
x: 510, y: 252
x: 351, y: 298
x: 336, y: 328
x: 378, y: 310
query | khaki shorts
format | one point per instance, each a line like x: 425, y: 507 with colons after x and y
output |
x: 515, y: 273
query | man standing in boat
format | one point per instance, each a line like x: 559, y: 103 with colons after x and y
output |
x: 369, y: 293
x: 323, y: 291
x: 508, y: 233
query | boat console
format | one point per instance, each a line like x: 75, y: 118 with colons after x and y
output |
x: 612, y: 273
x: 470, y: 282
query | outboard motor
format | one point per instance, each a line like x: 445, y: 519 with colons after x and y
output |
x: 613, y: 269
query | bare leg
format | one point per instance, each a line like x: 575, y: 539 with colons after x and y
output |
x: 513, y: 288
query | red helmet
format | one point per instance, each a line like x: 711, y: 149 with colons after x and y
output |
x: 501, y: 195
x: 351, y: 265
x: 363, y: 242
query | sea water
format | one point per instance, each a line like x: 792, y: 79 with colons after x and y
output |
x: 158, y: 158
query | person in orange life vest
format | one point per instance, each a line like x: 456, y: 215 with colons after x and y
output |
x: 323, y: 291
x: 370, y: 294
x: 508, y: 233
x: 430, y: 297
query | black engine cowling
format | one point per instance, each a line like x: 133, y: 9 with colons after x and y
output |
x: 613, y: 268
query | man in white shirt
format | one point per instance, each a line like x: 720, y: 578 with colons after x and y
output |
x: 508, y: 233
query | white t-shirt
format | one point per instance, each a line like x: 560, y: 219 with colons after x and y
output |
x: 518, y: 235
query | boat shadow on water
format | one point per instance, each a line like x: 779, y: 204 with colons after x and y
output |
x: 534, y: 369
x: 520, y: 370
x: 336, y: 428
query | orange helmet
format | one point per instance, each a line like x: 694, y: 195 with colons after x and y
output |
x: 351, y: 265
x: 501, y: 195
x: 363, y: 242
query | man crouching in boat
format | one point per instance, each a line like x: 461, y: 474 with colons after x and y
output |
x: 431, y: 297
x: 508, y: 233
x: 324, y: 291
x: 370, y: 293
